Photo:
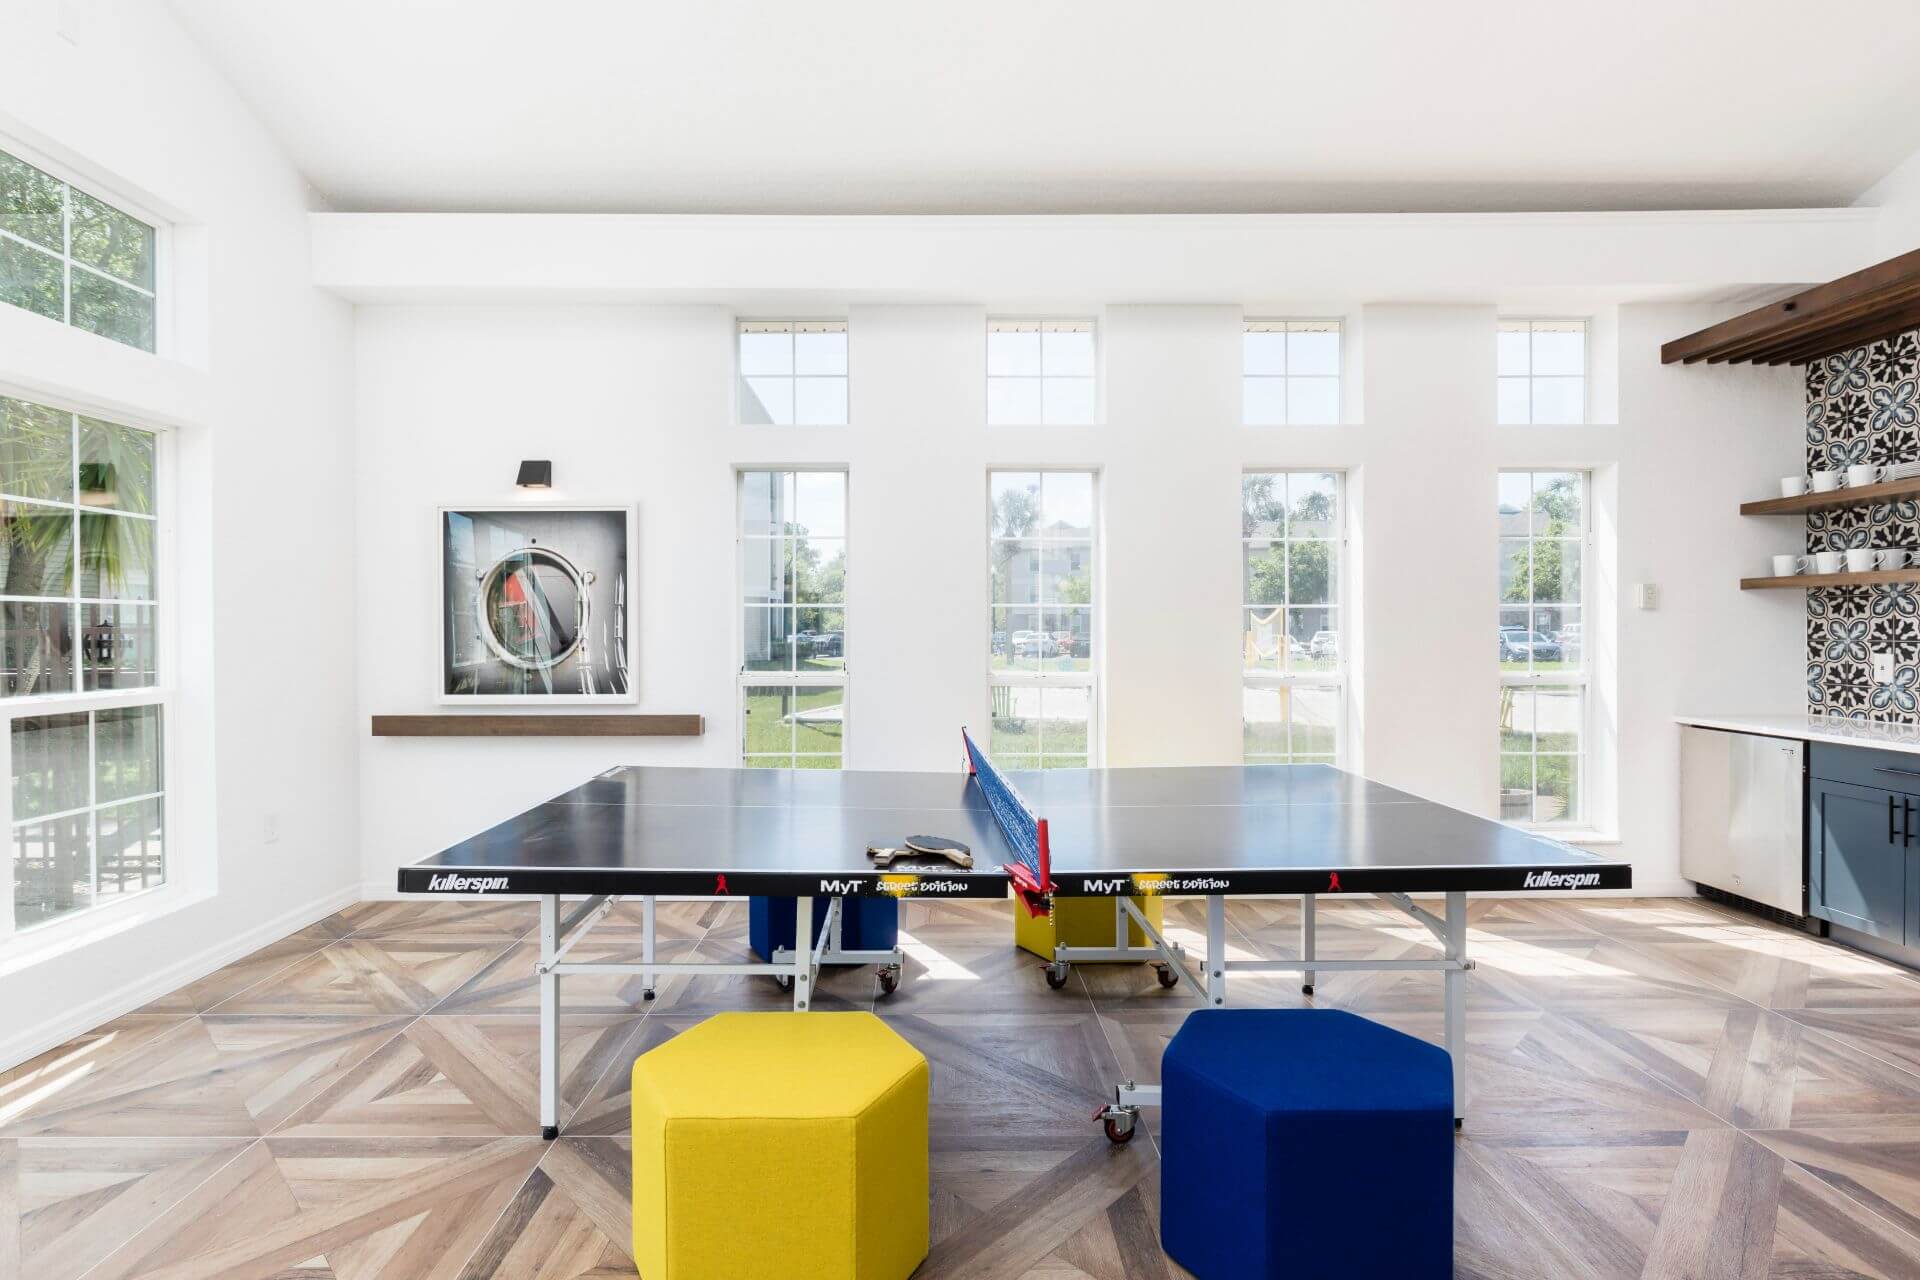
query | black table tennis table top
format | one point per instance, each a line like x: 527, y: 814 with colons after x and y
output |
x: 1190, y: 830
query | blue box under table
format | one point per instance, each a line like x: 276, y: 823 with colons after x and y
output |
x: 866, y: 923
x: 1306, y: 1143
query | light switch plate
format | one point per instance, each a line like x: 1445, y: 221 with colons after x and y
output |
x: 1646, y: 596
x: 1883, y: 668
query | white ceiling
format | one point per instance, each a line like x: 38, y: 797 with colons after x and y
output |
x: 898, y: 106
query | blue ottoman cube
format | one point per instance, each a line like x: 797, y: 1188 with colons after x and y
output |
x: 866, y: 923
x: 1306, y: 1143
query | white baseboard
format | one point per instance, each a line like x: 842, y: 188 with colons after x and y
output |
x: 30, y: 1042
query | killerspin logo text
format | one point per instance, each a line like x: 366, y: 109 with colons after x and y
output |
x: 1561, y: 880
x: 452, y: 882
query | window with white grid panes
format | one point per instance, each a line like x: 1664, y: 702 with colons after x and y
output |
x: 1542, y: 372
x: 1293, y: 687
x: 793, y: 373
x: 1544, y: 654
x: 72, y: 257
x: 1043, y: 606
x: 1042, y: 372
x: 80, y: 684
x: 1290, y: 373
x: 793, y: 593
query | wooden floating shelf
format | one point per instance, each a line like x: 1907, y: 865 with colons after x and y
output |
x: 539, y: 726
x: 1875, y: 303
x: 1804, y: 581
x: 1838, y: 500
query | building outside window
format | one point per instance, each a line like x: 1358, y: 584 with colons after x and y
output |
x: 793, y: 592
x: 1544, y: 656
x: 793, y: 372
x: 1542, y: 372
x: 1041, y: 372
x: 81, y: 685
x: 72, y: 257
x: 1290, y: 373
x: 1293, y: 694
x: 1043, y: 652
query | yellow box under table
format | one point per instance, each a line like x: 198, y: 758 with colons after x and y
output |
x: 780, y: 1146
x: 1082, y: 922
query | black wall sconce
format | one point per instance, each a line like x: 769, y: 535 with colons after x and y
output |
x: 536, y: 474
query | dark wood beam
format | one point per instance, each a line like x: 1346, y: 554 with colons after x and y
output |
x: 530, y: 725
x: 1874, y: 303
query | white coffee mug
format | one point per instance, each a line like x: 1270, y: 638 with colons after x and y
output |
x: 1788, y: 566
x: 1826, y: 481
x: 1792, y: 486
x: 1829, y: 561
x: 1860, y: 559
x: 1893, y: 558
x: 1862, y: 474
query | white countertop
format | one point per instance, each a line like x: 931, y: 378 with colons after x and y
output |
x: 1835, y: 729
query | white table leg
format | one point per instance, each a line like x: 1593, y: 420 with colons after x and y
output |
x: 1216, y: 951
x: 1456, y: 980
x: 549, y: 1018
x: 1306, y: 941
x: 802, y: 954
x: 647, y: 946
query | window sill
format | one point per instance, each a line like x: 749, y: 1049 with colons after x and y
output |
x: 63, y: 937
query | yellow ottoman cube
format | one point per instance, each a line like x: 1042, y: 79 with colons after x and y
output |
x: 1082, y: 922
x: 790, y: 1146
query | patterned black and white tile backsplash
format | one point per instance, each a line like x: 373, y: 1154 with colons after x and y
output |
x: 1864, y: 406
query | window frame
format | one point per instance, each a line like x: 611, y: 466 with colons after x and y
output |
x: 793, y: 679
x: 178, y: 874
x: 794, y: 326
x: 1580, y: 817
x: 162, y: 228
x: 1090, y: 679
x: 1506, y: 324
x: 1340, y: 678
x: 1288, y: 325
x: 1043, y: 325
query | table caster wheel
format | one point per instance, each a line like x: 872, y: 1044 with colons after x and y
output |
x: 1168, y: 975
x: 1458, y: 1124
x: 1307, y: 989
x: 889, y: 980
x: 1057, y: 974
x: 550, y: 1132
x: 784, y: 981
x: 647, y: 994
x: 1120, y: 1129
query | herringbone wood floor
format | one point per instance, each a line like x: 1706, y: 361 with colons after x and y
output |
x: 1660, y: 1089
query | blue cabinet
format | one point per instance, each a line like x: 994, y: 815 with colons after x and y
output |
x: 1863, y: 844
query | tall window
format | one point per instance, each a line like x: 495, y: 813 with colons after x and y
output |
x: 80, y: 684
x: 793, y: 591
x: 1040, y: 371
x: 1543, y: 653
x: 1291, y: 373
x: 793, y: 372
x: 1292, y: 527
x: 73, y: 258
x: 1542, y: 371
x: 1043, y: 662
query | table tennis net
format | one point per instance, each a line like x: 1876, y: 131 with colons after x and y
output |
x: 1026, y: 834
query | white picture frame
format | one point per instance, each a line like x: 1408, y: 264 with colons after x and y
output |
x: 609, y: 644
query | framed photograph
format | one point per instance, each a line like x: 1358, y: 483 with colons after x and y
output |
x: 536, y: 604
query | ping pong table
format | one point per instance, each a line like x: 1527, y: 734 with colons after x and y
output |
x: 1212, y: 832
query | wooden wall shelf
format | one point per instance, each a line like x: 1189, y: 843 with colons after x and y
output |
x: 1804, y: 581
x: 1878, y: 302
x: 1838, y: 500
x: 525, y: 725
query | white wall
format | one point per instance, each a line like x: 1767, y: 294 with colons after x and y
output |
x: 633, y: 403
x: 255, y: 387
